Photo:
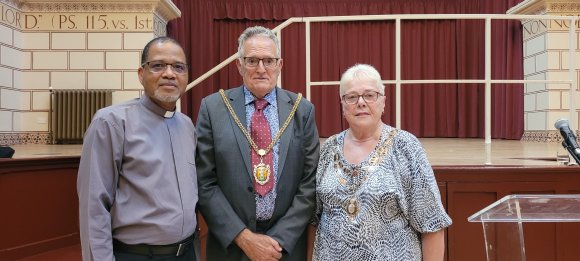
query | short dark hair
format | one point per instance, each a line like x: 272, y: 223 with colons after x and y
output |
x: 161, y: 39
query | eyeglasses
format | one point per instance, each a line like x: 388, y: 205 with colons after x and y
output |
x: 369, y: 97
x: 159, y: 66
x: 267, y: 62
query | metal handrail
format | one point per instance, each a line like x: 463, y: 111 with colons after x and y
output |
x: 399, y: 82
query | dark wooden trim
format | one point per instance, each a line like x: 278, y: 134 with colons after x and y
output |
x: 11, y: 166
x: 504, y: 173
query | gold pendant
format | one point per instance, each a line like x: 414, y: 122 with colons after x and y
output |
x: 261, y: 173
x: 352, y: 207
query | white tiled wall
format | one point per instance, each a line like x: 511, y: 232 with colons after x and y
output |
x: 6, y: 79
x: 105, y: 80
x: 542, y: 101
x: 31, y: 62
x: 554, y: 60
x: 546, y: 57
x: 5, y: 35
x: 32, y: 80
x: 68, y: 41
x: 31, y: 40
x: 9, y: 99
x: 542, y: 61
x: 68, y: 80
x: 535, y: 87
x: 558, y: 40
x: 555, y: 115
x: 131, y: 81
x: 25, y: 104
x: 105, y: 41
x: 87, y: 60
x: 136, y: 41
x: 122, y: 60
x: 566, y: 60
x: 120, y: 97
x: 529, y: 102
x: 536, y: 121
x: 529, y: 65
x: 535, y: 45
x: 40, y: 101
x: 6, y: 119
x: 49, y: 60
x: 10, y: 60
x: 13, y: 57
x: 558, y: 74
x: 32, y: 121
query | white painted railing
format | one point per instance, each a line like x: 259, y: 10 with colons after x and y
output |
x: 398, y: 82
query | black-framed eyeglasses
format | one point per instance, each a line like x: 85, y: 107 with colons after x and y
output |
x: 159, y: 66
x: 369, y: 97
x: 267, y: 62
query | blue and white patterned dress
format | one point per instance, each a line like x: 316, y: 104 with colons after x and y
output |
x: 392, y: 197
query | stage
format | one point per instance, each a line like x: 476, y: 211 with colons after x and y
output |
x: 440, y: 151
x: 474, y: 152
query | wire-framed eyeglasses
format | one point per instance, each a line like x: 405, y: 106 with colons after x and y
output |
x: 267, y: 62
x: 369, y: 97
x: 159, y: 66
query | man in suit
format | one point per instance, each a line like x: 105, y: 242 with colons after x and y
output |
x: 257, y: 152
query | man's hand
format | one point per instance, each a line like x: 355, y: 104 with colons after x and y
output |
x: 258, y: 247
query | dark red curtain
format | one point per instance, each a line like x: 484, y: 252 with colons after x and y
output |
x: 431, y: 49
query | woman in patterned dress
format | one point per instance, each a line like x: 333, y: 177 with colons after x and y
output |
x: 377, y: 198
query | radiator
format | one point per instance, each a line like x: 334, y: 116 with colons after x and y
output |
x: 72, y: 112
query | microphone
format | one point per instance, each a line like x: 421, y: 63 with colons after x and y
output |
x: 569, y: 142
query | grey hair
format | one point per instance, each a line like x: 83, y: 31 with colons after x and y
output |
x: 361, y: 71
x: 255, y: 31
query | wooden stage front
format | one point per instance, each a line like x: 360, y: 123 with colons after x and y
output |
x: 38, y: 196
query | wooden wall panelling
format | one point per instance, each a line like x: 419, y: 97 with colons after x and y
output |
x: 39, y: 206
x: 471, y: 189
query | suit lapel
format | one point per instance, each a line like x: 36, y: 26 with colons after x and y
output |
x: 284, y: 108
x: 236, y: 97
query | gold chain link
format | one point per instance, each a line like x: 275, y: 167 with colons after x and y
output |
x: 248, y: 136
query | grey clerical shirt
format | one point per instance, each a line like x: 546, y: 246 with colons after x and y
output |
x: 137, y: 180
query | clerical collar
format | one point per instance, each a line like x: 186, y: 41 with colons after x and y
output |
x: 152, y: 106
x: 169, y: 114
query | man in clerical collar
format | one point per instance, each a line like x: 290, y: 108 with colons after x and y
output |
x: 137, y: 182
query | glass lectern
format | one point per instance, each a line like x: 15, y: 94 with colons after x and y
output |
x: 503, y: 221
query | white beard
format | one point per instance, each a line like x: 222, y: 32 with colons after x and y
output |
x: 165, y: 98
